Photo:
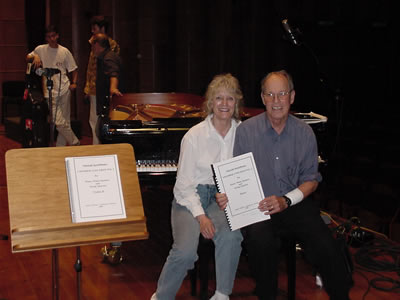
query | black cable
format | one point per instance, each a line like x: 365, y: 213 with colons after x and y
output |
x: 380, y: 256
x: 369, y: 254
x: 376, y: 255
x: 369, y: 284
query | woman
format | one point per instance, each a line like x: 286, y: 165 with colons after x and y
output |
x: 194, y: 209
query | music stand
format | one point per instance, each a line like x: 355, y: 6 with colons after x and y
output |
x: 40, y: 215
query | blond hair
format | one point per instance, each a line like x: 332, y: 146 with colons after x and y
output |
x: 231, y: 84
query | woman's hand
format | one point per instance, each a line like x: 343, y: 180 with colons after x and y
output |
x: 222, y: 200
x: 207, y: 228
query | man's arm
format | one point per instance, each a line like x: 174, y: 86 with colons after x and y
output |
x: 34, y: 59
x: 114, y: 87
x: 274, y: 204
x: 308, y: 187
x: 74, y: 78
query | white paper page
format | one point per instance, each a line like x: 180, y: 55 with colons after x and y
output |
x: 238, y: 178
x: 95, y: 188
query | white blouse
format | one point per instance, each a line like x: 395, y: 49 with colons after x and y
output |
x: 201, y: 146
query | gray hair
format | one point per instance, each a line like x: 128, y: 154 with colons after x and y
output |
x: 283, y: 73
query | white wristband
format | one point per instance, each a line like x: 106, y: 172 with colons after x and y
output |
x: 296, y: 196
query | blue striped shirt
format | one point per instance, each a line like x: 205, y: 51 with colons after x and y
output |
x: 284, y: 161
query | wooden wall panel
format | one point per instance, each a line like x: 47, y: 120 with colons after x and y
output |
x: 12, y: 9
x: 15, y: 60
x: 12, y: 32
x: 12, y: 41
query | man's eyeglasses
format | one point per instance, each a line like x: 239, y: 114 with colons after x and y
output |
x: 281, y: 95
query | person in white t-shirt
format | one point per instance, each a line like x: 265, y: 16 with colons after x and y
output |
x: 194, y: 209
x: 54, y: 62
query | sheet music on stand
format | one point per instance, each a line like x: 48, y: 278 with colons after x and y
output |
x: 95, y: 190
x: 39, y: 210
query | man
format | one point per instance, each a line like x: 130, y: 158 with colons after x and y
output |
x: 285, y: 152
x: 99, y: 25
x: 59, y: 60
x: 107, y: 74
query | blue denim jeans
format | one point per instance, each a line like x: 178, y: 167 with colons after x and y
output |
x: 182, y: 256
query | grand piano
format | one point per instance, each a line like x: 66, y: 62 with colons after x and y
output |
x: 154, y: 124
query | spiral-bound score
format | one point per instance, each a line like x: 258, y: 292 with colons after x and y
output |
x: 238, y: 179
x: 217, y: 185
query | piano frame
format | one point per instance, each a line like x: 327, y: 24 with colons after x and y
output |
x: 157, y: 98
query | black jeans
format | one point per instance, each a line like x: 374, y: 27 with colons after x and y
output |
x: 302, y: 222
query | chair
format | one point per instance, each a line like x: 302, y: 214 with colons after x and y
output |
x: 205, y: 252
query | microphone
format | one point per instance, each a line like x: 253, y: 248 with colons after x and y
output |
x: 291, y: 34
x: 48, y: 72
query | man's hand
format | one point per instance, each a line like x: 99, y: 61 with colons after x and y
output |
x: 115, y: 91
x: 36, y: 62
x: 207, y: 228
x: 114, y: 87
x: 222, y: 200
x: 72, y: 86
x: 272, y: 205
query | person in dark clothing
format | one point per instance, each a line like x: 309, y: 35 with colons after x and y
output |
x: 107, y: 74
x: 99, y: 24
x: 286, y: 155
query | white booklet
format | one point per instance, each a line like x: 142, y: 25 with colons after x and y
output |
x: 238, y: 179
x: 95, y: 190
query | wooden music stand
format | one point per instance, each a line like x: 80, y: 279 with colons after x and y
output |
x: 40, y: 215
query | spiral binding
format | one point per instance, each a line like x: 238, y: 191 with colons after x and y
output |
x: 219, y: 191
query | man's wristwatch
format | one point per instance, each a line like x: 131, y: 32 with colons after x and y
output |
x: 288, y: 201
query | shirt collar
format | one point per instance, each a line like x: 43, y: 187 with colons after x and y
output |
x: 270, y: 129
x: 212, y: 129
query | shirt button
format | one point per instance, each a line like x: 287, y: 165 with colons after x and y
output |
x: 277, y: 157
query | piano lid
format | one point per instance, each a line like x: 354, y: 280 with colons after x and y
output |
x: 154, y: 109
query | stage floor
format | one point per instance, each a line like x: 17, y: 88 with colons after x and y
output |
x: 28, y: 275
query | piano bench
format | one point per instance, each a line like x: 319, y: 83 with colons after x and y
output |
x: 205, y: 252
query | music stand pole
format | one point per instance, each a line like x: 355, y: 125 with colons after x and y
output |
x: 78, y: 269
x: 54, y: 269
x: 51, y: 119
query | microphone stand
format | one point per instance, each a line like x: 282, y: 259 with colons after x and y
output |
x: 50, y: 85
x: 336, y: 93
x: 337, y: 96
